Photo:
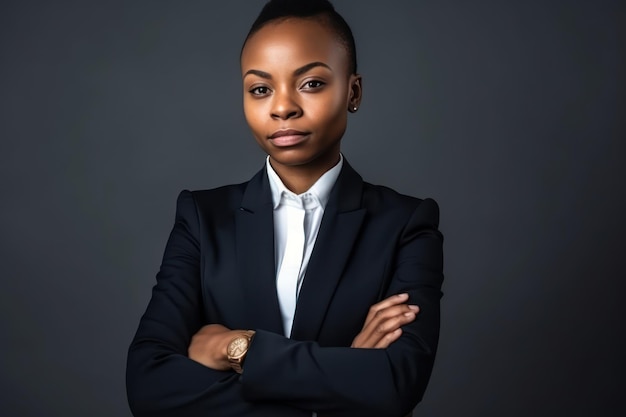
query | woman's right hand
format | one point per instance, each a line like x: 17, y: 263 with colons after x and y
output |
x: 384, y: 321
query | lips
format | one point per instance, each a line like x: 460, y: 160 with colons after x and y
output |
x: 288, y: 137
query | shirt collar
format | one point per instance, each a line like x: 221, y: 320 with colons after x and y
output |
x: 321, y: 189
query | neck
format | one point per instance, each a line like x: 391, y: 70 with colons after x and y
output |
x: 299, y: 178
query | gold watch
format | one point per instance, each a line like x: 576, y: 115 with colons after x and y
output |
x: 237, y: 349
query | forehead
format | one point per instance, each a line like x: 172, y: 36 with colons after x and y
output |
x: 294, y: 42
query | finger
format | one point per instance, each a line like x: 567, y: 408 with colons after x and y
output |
x: 378, y: 330
x: 391, y: 311
x: 388, y: 339
x: 387, y: 321
x: 387, y: 302
x: 369, y: 341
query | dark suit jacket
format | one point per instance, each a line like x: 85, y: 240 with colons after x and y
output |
x: 218, y: 267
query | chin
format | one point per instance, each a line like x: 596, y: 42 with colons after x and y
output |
x: 292, y: 160
x: 295, y: 158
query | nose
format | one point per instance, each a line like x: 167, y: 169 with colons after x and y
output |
x: 284, y: 106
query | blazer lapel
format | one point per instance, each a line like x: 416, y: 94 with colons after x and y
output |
x: 254, y: 225
x: 339, y: 229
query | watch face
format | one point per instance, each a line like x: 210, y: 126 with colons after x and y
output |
x: 238, y: 347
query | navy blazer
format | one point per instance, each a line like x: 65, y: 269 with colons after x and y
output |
x: 218, y: 267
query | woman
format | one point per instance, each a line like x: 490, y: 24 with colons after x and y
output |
x: 304, y: 291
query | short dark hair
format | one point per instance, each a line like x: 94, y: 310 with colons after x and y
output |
x: 321, y: 9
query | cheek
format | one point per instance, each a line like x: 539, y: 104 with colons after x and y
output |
x: 252, y: 113
x: 337, y: 114
x: 331, y: 109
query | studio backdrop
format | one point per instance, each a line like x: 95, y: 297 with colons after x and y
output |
x: 509, y: 113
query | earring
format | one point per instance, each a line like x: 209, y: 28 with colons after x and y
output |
x: 353, y: 109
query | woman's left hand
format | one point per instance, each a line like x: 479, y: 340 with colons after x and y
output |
x: 208, y: 346
x: 384, y: 322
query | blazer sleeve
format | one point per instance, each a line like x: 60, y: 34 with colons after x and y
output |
x: 341, y: 381
x: 160, y: 379
x: 283, y: 377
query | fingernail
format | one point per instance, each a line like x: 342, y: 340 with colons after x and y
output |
x: 414, y: 308
x: 409, y: 314
x: 404, y: 294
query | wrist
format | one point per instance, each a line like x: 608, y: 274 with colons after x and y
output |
x: 237, y: 349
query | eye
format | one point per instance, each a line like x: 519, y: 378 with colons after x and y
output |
x: 313, y: 85
x: 259, y: 91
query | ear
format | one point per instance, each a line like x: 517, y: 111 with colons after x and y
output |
x: 356, y: 92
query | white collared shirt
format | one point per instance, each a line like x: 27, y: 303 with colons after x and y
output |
x: 312, y: 202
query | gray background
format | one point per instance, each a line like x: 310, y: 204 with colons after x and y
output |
x: 510, y: 114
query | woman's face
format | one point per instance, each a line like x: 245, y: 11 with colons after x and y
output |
x: 297, y: 91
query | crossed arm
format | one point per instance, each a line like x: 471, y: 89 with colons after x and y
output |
x: 382, y: 327
x: 174, y: 369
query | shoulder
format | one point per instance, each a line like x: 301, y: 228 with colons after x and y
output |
x: 379, y: 199
x: 209, y: 205
x: 227, y: 196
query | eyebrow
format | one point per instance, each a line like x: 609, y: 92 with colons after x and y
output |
x: 302, y: 70
x: 308, y: 67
